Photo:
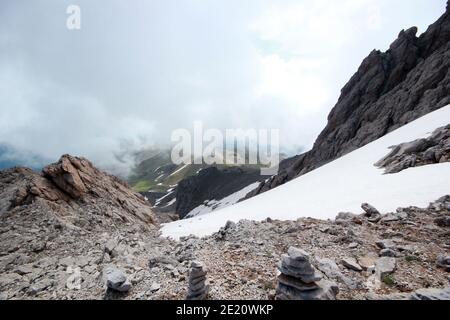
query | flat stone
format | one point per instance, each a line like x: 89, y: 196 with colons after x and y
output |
x: 300, y: 266
x: 351, y: 264
x: 201, y: 295
x: 431, y: 294
x: 298, y: 254
x: 307, y: 278
x: 385, y: 244
x: 353, y: 245
x: 296, y: 283
x: 155, y: 287
x: 332, y: 271
x: 367, y: 262
x: 325, y: 291
x: 443, y: 262
x: 394, y: 216
x: 388, y: 253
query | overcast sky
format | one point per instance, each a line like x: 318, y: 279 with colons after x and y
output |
x: 139, y: 69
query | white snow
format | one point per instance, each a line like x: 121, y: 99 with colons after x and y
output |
x: 169, y: 192
x: 211, y: 205
x: 179, y: 169
x: 342, y: 185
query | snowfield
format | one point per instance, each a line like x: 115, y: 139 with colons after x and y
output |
x: 340, y: 186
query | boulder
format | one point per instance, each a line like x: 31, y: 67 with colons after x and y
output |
x: 116, y: 280
x: 351, y: 264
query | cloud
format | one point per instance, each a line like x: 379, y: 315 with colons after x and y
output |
x: 134, y: 73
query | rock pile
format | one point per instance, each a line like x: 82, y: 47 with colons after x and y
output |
x: 198, y: 289
x: 299, y: 281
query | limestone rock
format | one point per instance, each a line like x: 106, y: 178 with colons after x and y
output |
x: 385, y: 266
x: 351, y: 264
x: 116, y: 280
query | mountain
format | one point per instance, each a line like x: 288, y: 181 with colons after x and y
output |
x: 389, y: 90
x: 176, y: 191
x: 73, y: 186
x: 342, y: 185
x: 213, y: 188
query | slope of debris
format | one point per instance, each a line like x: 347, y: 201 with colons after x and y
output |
x: 366, y: 256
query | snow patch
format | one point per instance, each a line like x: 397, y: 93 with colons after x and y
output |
x: 211, y: 205
x: 339, y: 186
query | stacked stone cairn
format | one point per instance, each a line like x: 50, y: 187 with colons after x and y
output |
x: 198, y: 289
x: 299, y: 279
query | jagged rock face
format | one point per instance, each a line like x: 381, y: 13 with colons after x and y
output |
x: 212, y: 183
x: 389, y: 90
x: 69, y: 184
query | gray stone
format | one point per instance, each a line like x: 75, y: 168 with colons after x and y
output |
x: 116, y: 280
x: 367, y: 262
x: 394, y: 216
x: 332, y: 271
x: 67, y: 262
x: 324, y: 291
x: 301, y: 265
x: 155, y: 287
x: 385, y: 244
x: 431, y: 294
x: 443, y: 262
x: 298, y: 273
x: 296, y: 283
x: 388, y: 253
x: 40, y: 286
x: 351, y: 264
x: 385, y: 266
x: 370, y: 210
x: 161, y: 260
x: 353, y: 245
x: 298, y: 254
x: 26, y: 269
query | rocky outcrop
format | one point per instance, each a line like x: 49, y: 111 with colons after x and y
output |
x: 73, y: 183
x: 389, y: 90
x: 421, y: 152
x: 212, y: 184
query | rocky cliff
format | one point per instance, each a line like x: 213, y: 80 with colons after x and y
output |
x: 212, y: 184
x: 73, y: 185
x: 389, y: 90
